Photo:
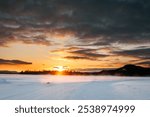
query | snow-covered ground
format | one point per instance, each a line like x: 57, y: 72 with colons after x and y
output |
x: 73, y: 87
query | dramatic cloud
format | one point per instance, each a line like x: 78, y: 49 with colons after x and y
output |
x: 91, y: 53
x: 97, y: 21
x: 26, y: 37
x: 13, y: 62
x: 141, y: 53
x: 82, y: 53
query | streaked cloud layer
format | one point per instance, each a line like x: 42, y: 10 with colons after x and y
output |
x: 98, y: 30
x: 13, y: 62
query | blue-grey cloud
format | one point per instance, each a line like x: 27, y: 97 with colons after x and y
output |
x: 88, y: 53
x: 13, y: 62
x: 141, y: 53
x: 82, y: 53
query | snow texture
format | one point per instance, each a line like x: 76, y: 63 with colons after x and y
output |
x: 49, y: 87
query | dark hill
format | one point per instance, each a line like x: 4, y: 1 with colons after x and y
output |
x: 128, y: 70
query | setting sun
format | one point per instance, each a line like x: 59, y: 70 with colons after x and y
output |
x: 60, y: 68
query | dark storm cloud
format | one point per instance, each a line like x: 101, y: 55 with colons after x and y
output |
x: 97, y: 21
x: 13, y: 62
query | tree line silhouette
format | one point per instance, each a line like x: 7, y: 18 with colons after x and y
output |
x: 127, y: 70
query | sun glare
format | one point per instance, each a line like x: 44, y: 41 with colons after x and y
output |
x: 60, y: 68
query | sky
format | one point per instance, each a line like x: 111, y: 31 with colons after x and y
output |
x: 78, y: 34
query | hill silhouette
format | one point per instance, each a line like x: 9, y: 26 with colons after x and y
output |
x: 128, y: 70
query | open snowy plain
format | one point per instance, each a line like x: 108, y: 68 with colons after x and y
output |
x: 49, y: 87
